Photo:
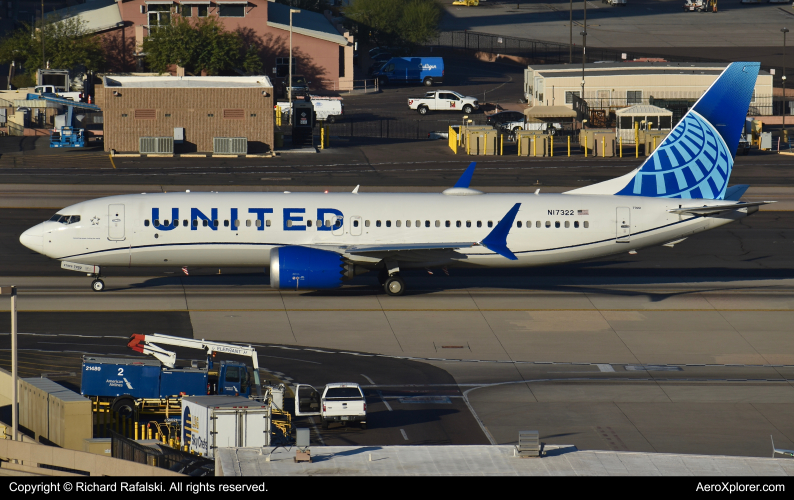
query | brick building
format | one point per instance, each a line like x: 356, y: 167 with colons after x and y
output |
x: 193, y: 110
x: 321, y: 51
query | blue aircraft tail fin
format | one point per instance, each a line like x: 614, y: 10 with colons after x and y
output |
x: 695, y: 160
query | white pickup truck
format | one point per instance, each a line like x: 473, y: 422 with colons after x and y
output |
x: 340, y: 402
x: 443, y: 100
x: 50, y: 90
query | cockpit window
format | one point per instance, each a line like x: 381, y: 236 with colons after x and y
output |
x: 65, y: 219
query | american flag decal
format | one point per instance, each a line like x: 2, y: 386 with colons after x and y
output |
x: 583, y: 212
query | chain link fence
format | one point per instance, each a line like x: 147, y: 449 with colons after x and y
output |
x: 541, y: 51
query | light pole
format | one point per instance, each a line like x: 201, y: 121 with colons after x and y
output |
x: 584, y: 52
x: 43, y: 64
x: 12, y: 291
x: 783, y: 133
x: 570, y: 37
x: 289, y: 88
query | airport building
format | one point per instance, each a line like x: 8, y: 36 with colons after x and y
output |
x: 178, y: 115
x: 612, y: 86
x: 322, y: 51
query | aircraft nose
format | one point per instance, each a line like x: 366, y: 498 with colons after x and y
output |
x: 33, y: 239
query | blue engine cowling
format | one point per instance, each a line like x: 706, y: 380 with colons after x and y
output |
x: 299, y: 267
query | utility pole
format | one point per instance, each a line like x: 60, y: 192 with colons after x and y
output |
x: 570, y: 37
x: 43, y: 63
x: 12, y: 291
x: 784, y: 31
x: 289, y: 88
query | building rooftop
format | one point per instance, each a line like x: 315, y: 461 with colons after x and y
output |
x: 644, y: 109
x: 98, y: 15
x: 187, y: 81
x: 480, y: 460
x: 306, y: 23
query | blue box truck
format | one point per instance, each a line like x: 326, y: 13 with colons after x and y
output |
x: 427, y: 70
x: 123, y: 381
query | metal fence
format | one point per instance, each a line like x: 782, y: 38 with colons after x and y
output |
x: 541, y: 51
x: 389, y: 128
x: 162, y: 456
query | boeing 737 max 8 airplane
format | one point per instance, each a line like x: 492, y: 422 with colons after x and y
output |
x: 318, y: 240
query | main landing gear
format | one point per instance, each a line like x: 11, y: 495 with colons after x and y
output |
x: 389, y: 278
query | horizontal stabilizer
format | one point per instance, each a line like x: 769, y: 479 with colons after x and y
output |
x: 735, y: 193
x: 716, y: 209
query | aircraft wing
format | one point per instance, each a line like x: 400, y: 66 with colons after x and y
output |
x: 706, y: 211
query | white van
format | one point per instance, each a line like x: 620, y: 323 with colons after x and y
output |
x: 327, y: 109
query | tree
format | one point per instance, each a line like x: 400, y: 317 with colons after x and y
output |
x: 419, y: 22
x: 395, y: 22
x: 203, y: 45
x: 312, y: 5
x: 67, y: 45
x: 252, y: 64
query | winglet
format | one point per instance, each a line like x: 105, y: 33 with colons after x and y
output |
x: 496, y: 241
x: 465, y: 179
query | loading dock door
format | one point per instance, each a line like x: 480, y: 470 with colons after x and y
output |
x: 116, y: 222
x: 623, y: 226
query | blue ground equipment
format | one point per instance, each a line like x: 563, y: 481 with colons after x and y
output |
x: 67, y: 136
x: 427, y: 70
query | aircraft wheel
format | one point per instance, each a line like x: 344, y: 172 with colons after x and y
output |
x: 98, y: 285
x: 394, y: 286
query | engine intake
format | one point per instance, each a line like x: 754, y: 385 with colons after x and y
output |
x: 296, y: 267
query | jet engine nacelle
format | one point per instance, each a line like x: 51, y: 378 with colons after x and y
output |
x: 300, y: 267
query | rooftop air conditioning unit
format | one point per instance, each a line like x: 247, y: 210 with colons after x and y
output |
x: 156, y: 145
x: 230, y: 145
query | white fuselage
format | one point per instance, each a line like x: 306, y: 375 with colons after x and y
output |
x: 549, y: 228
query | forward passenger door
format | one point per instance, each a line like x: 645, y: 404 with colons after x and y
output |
x: 116, y: 222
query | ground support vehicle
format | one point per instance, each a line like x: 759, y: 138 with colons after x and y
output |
x: 443, y: 100
x: 125, y: 383
x: 212, y: 422
x: 328, y: 109
x: 427, y: 70
x: 151, y: 387
x: 51, y: 91
x: 340, y: 402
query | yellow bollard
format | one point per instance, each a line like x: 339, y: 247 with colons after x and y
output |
x: 502, y: 145
x: 485, y: 144
x: 149, y: 432
x: 569, y: 146
x: 654, y: 143
x: 603, y: 143
x: 551, y: 146
x: 621, y: 146
x: 518, y: 138
x: 585, y: 146
x: 636, y: 140
x: 534, y: 145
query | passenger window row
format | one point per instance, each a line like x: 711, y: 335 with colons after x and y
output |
x: 206, y: 223
x: 585, y: 224
x: 427, y: 223
x: 66, y: 219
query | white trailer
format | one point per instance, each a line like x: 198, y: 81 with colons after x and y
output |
x: 212, y: 422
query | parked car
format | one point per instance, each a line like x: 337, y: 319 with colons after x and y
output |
x: 427, y: 70
x: 442, y: 134
x: 299, y: 86
x: 443, y: 100
x: 507, y: 120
